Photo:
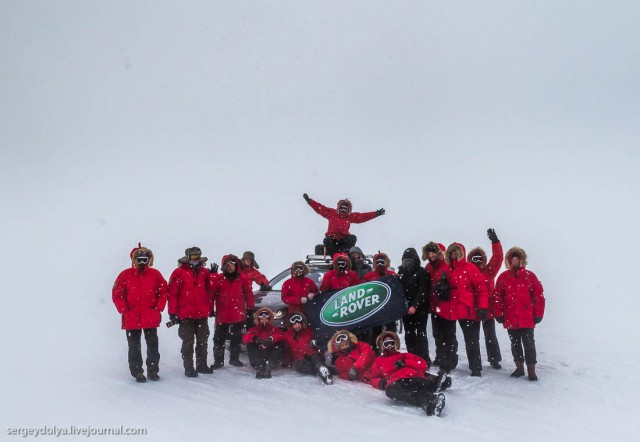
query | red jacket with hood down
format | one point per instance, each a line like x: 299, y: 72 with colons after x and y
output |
x: 336, y: 279
x: 490, y: 269
x: 140, y: 295
x: 518, y: 296
x: 232, y: 294
x: 467, y: 288
x: 339, y: 223
x: 189, y: 295
x: 295, y: 289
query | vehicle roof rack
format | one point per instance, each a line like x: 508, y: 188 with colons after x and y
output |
x: 327, y: 259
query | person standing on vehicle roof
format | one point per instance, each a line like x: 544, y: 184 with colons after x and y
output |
x: 299, y: 289
x: 249, y: 268
x: 140, y: 295
x: 338, y: 238
x: 478, y: 257
x: 341, y: 276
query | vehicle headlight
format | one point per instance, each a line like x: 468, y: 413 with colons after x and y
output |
x: 278, y: 315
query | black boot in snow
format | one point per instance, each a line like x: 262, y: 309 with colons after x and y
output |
x: 140, y: 378
x: 495, y: 364
x: 325, y: 374
x: 153, y: 377
x: 236, y: 362
x: 190, y: 372
x: 204, y: 369
x: 434, y: 405
x: 444, y: 382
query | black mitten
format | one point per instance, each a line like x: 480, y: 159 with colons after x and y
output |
x: 492, y: 236
x: 353, y: 373
x: 400, y: 363
x: 380, y: 212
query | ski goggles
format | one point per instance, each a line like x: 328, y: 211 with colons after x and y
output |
x: 230, y: 262
x: 299, y: 267
x: 295, y: 319
x: 390, y: 343
x: 342, y: 264
x: 341, y: 338
x: 476, y: 259
x: 381, y: 261
x: 263, y: 314
x: 142, y: 259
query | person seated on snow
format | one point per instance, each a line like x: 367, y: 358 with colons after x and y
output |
x: 299, y: 289
x: 338, y: 238
x: 340, y: 276
x: 249, y: 269
x: 358, y: 264
x: 264, y: 344
x: 404, y: 378
x: 303, y: 349
x: 350, y: 358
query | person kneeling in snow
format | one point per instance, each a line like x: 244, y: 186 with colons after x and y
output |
x: 404, y: 378
x: 351, y: 359
x: 264, y: 344
x: 304, y: 350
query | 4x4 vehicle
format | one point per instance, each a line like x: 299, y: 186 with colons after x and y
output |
x: 318, y: 266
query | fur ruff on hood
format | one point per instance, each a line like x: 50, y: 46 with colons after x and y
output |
x: 433, y: 247
x: 344, y: 257
x: 478, y: 251
x: 344, y: 201
x: 192, y: 251
x: 305, y: 268
x: 385, y: 334
x: 509, y: 254
x: 387, y: 261
x: 230, y: 257
x: 332, y: 347
x: 456, y: 246
x: 137, y: 251
x: 257, y: 313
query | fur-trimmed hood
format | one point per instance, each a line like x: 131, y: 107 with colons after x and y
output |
x: 478, y: 251
x: 331, y: 346
x: 341, y: 256
x: 305, y: 268
x: 433, y: 247
x: 387, y: 261
x: 257, y: 313
x: 230, y: 257
x: 385, y: 334
x: 344, y: 201
x: 192, y: 251
x: 456, y: 246
x: 138, y: 251
x: 305, y: 321
x: 511, y: 252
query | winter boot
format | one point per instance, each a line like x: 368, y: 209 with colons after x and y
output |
x: 531, y: 372
x: 444, y: 382
x: 434, y: 404
x: 495, y: 364
x: 190, y: 372
x: 140, y: 378
x: 204, y: 369
x: 519, y: 371
x: 267, y: 370
x: 153, y: 377
x: 476, y: 373
x: 234, y: 357
x: 236, y: 362
x: 218, y: 358
x: 325, y: 374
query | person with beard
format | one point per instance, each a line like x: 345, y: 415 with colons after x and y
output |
x: 191, y: 306
x: 417, y: 286
x: 264, y: 344
x: 299, y: 289
x: 303, y: 348
x: 351, y: 358
x: 433, y: 253
x: 462, y: 293
x: 234, y: 301
x: 404, y: 376
x: 340, y: 276
x: 338, y: 238
x: 478, y: 257
x: 358, y: 263
x: 519, y: 305
x: 140, y: 295
x: 249, y: 268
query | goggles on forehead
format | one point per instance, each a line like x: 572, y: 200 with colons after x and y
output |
x: 341, y: 338
x: 263, y: 315
x: 142, y: 259
x: 295, y: 318
x: 476, y: 258
x: 388, y: 343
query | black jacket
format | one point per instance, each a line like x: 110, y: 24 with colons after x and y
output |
x: 416, y: 282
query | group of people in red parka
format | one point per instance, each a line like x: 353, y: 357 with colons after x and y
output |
x: 454, y: 287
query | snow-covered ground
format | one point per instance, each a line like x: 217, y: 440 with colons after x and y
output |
x: 202, y: 123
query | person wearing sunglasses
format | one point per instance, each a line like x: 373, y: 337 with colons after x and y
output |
x: 140, y: 295
x: 404, y: 376
x: 340, y: 276
x: 478, y: 257
x: 249, y: 268
x: 351, y: 358
x: 234, y: 301
x: 191, y: 306
x: 433, y: 253
x: 303, y: 350
x: 338, y: 238
x: 264, y: 344
x: 299, y: 289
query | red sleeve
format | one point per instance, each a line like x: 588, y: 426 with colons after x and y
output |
x: 326, y: 281
x: 320, y: 209
x: 376, y: 375
x: 497, y: 298
x: 276, y: 334
x: 493, y: 267
x: 313, y: 288
x: 248, y: 293
x: 293, y: 346
x: 537, y: 296
x: 118, y: 293
x: 354, y: 278
x: 175, y: 283
x: 366, y: 358
x: 287, y: 296
x: 357, y: 217
x: 480, y: 286
x: 415, y: 362
x: 247, y: 338
x: 161, y: 292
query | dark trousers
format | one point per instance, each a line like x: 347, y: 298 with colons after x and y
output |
x: 232, y: 332
x: 265, y: 357
x: 437, y: 337
x: 447, y: 344
x: 335, y: 245
x: 414, y: 391
x: 309, y: 364
x: 471, y: 332
x: 134, y: 338
x: 194, y: 331
x: 491, y: 340
x: 523, y: 337
x: 415, y: 334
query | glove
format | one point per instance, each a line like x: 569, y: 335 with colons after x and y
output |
x: 214, y: 268
x: 303, y: 300
x: 249, y: 314
x: 353, y: 373
x: 400, y: 363
x: 306, y: 197
x: 174, y: 318
x: 382, y: 384
x: 482, y: 313
x: 265, y: 287
x: 311, y: 296
x: 537, y: 320
x: 492, y: 236
x: 380, y: 212
x: 442, y: 288
x: 500, y: 320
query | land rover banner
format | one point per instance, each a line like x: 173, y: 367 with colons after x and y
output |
x: 355, y: 308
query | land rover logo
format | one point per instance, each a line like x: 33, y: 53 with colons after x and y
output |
x: 353, y: 304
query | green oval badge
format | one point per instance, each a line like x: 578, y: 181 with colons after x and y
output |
x: 354, y: 304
